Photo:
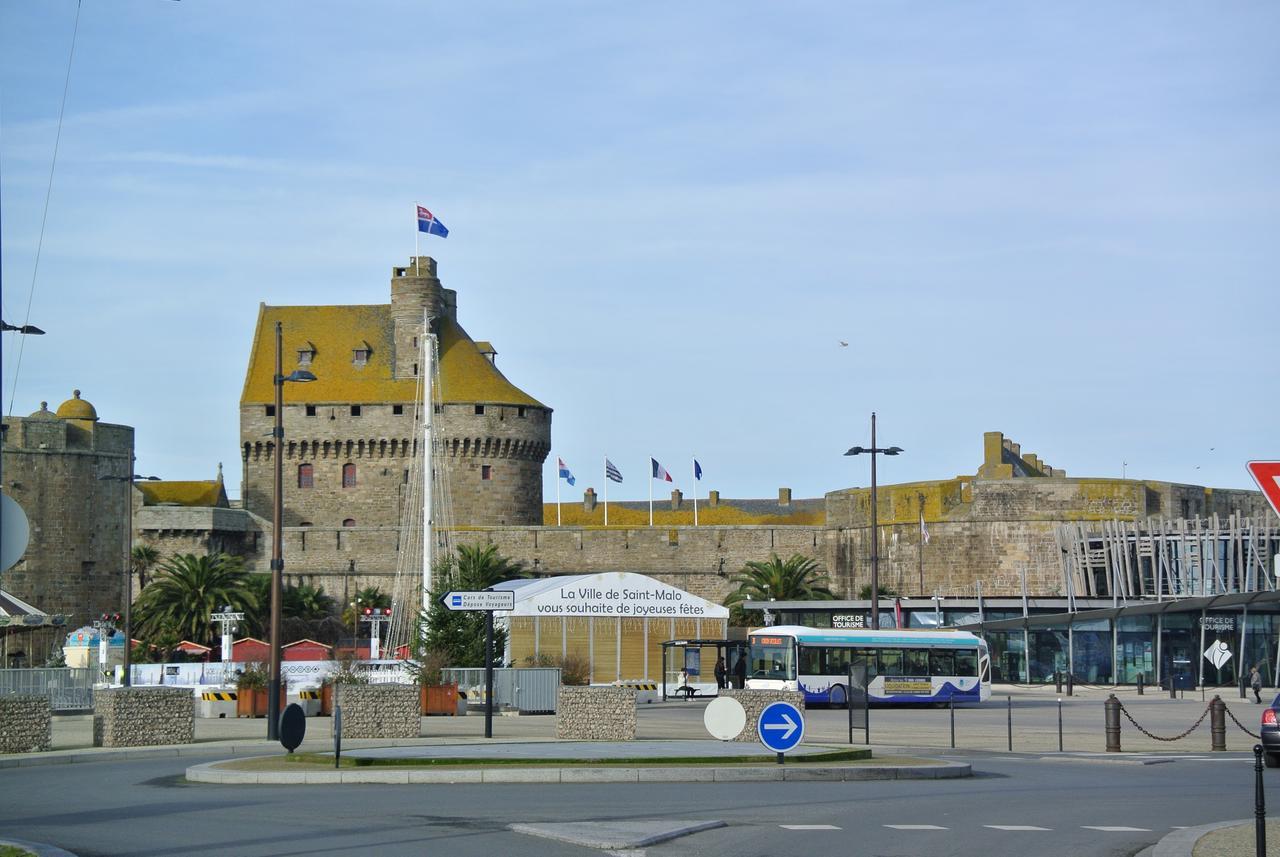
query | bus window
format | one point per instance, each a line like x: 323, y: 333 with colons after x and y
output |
x: 915, y: 662
x: 810, y: 660
x: 891, y: 662
x: 838, y: 661
x: 866, y: 658
x: 942, y: 663
x: 967, y: 663
x: 774, y: 659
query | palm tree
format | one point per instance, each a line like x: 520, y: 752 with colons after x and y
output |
x: 187, y: 590
x: 370, y: 596
x: 142, y: 560
x: 480, y: 567
x: 799, y: 578
x: 307, y: 602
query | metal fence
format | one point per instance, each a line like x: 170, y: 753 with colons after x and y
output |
x: 68, y: 689
x: 529, y: 690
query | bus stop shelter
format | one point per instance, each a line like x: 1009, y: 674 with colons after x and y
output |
x: 689, y: 659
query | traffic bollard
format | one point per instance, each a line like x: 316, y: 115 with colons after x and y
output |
x: 1141, y: 678
x: 1071, y: 683
x: 1112, y: 709
x: 1010, y: 724
x: 1173, y: 687
x: 1059, y: 724
x: 1217, y: 724
x: 1259, y: 804
x: 951, y: 705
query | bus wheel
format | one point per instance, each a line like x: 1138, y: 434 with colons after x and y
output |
x: 839, y: 696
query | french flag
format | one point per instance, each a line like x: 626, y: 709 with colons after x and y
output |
x: 659, y: 472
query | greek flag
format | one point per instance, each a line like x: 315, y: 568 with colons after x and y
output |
x: 611, y: 472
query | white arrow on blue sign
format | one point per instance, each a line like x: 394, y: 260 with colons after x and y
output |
x: 781, y: 726
x: 482, y: 600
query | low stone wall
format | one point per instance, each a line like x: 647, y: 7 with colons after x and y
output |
x: 754, y: 702
x: 379, y: 710
x: 25, y: 724
x: 143, y: 716
x: 596, y: 714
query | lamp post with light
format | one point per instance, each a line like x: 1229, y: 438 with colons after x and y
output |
x: 875, y: 540
x: 128, y: 481
x: 277, y: 553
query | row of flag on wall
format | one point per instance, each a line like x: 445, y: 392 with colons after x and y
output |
x: 612, y: 474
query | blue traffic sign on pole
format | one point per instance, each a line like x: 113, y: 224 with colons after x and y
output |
x: 781, y: 726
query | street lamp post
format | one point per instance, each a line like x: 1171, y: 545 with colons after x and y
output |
x: 277, y: 553
x: 128, y: 566
x: 875, y: 540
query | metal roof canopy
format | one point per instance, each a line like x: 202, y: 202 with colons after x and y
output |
x: 1146, y: 608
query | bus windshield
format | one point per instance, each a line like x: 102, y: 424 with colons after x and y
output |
x: 772, y: 657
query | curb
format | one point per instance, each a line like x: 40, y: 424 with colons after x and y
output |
x: 1181, y: 843
x: 38, y: 848
x: 210, y: 772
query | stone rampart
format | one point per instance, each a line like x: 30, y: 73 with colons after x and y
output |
x: 143, y: 717
x: 596, y: 714
x: 379, y: 710
x: 25, y: 724
x: 755, y: 701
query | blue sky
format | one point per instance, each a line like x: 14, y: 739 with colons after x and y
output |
x: 1054, y: 221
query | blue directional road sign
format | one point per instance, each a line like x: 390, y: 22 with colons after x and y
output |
x: 781, y: 726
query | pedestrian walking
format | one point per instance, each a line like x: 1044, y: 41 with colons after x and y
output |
x: 1255, y: 682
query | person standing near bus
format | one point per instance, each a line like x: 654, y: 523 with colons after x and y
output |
x: 721, y: 684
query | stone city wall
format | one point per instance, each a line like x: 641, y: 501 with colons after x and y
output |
x: 755, y: 701
x: 596, y: 714
x: 25, y: 724
x: 142, y: 717
x: 379, y: 710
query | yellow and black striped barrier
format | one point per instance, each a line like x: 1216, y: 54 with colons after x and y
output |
x: 218, y: 696
x: 638, y: 685
x: 308, y: 694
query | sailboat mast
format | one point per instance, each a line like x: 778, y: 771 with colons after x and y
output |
x: 428, y: 412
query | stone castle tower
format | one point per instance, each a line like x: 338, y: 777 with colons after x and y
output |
x: 349, y: 435
x: 68, y: 472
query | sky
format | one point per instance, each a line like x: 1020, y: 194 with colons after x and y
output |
x: 1057, y: 221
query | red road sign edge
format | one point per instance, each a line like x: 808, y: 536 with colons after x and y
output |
x: 1265, y: 473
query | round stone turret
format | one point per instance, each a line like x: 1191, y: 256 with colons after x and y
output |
x: 416, y: 292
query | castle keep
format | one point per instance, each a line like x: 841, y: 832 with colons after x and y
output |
x: 350, y: 434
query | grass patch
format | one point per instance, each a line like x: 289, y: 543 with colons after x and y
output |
x: 13, y: 851
x: 324, y: 761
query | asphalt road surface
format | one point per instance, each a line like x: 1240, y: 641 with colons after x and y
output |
x: 1038, y: 805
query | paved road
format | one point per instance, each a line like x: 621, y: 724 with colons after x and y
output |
x: 1014, y: 806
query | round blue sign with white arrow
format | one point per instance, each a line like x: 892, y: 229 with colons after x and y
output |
x: 781, y: 726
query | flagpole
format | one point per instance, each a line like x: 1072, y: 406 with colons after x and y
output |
x: 557, y: 492
x: 920, y: 553
x: 695, y: 492
x: 606, y: 490
x: 651, y: 492
x: 416, y: 233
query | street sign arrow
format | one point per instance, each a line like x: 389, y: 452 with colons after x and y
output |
x: 780, y: 726
x: 1267, y: 475
x: 481, y: 600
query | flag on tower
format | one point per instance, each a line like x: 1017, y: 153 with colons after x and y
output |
x: 564, y: 472
x: 611, y: 471
x: 924, y: 531
x: 697, y: 469
x: 659, y: 472
x: 428, y: 223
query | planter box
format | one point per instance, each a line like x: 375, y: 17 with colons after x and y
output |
x: 439, y: 699
x: 253, y: 703
x: 326, y: 700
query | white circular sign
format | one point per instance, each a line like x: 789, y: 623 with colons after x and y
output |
x: 16, y: 532
x: 725, y: 718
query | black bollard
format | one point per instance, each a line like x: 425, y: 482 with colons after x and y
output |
x: 1217, y: 724
x: 1059, y: 724
x: 951, y: 705
x: 1010, y: 724
x: 1141, y: 681
x: 1173, y: 687
x: 1112, y: 710
x: 1259, y: 803
x: 1071, y: 683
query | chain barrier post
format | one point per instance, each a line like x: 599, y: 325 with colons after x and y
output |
x: 1010, y: 698
x: 1059, y: 724
x: 1071, y: 682
x: 1217, y: 724
x: 1112, y: 709
x: 1141, y: 681
x: 951, y: 706
x: 1173, y: 686
x: 1259, y: 804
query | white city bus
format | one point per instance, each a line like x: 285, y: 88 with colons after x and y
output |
x: 901, y: 666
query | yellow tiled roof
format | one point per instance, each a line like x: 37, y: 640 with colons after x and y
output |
x: 465, y: 374
x: 200, y: 493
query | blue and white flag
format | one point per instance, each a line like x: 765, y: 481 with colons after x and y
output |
x: 611, y: 472
x: 697, y: 469
x: 428, y: 223
x: 564, y: 472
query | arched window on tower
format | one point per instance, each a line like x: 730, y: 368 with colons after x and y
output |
x: 305, y: 478
x: 348, y: 522
x: 348, y: 476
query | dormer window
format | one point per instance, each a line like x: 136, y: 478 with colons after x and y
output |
x: 360, y: 354
x: 306, y: 354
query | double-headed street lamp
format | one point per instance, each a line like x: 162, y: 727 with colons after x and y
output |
x: 25, y: 329
x: 277, y: 553
x: 875, y: 540
x: 128, y: 564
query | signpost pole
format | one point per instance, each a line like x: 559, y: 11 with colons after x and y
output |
x: 488, y: 673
